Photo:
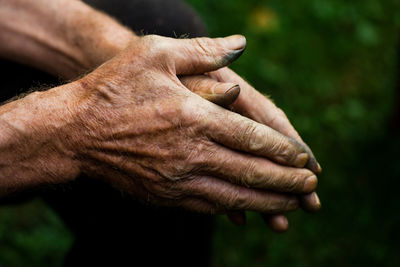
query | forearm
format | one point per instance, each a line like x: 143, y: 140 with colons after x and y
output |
x: 36, y: 141
x: 63, y: 37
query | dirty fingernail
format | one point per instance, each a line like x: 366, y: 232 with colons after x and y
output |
x: 232, y: 93
x: 301, y: 160
x: 319, y: 168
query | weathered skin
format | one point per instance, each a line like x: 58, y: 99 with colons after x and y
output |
x: 66, y: 38
x: 206, y: 86
x: 167, y: 145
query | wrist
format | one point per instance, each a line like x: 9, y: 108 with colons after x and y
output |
x: 73, y: 37
x: 36, y: 141
x: 96, y: 36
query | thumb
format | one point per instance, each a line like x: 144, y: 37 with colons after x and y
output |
x: 201, y: 55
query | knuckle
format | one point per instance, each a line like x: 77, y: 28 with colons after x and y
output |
x: 167, y: 190
x: 285, y: 150
x: 294, y: 183
x: 255, y: 136
x: 239, y: 200
x: 296, y: 180
x: 180, y: 170
x: 203, y: 46
x: 202, y: 155
x: 194, y: 112
x: 250, y: 175
x: 280, y: 149
x: 156, y: 47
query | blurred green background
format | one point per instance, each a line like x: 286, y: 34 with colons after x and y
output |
x: 332, y: 66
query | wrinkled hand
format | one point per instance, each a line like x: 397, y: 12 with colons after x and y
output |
x: 258, y: 107
x: 142, y: 130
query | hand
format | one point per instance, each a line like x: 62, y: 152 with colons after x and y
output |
x: 258, y: 107
x: 145, y: 133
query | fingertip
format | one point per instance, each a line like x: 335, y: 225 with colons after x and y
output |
x: 278, y: 223
x: 236, y: 42
x: 232, y: 94
x: 310, y: 202
x: 319, y: 168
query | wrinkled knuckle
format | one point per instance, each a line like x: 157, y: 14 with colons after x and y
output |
x: 282, y: 152
x: 157, y: 48
x: 203, y: 46
x: 192, y: 83
x: 294, y: 184
x: 168, y: 190
x: 249, y: 177
x: 196, y: 113
x: 151, y: 40
x: 180, y: 170
x: 239, y: 200
x: 202, y: 154
x: 255, y: 138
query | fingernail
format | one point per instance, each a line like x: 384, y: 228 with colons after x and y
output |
x: 317, y: 201
x: 232, y: 56
x: 313, y: 166
x: 319, y: 168
x: 237, y: 45
x: 301, y: 160
x: 310, y: 184
x: 283, y: 222
x: 233, y: 93
x: 310, y: 202
x: 236, y: 42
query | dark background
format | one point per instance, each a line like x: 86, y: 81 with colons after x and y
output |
x: 333, y: 67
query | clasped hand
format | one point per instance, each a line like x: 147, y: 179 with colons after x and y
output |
x: 141, y: 126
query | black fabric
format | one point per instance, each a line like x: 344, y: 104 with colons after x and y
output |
x: 110, y: 228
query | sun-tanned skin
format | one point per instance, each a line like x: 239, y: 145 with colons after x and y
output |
x: 134, y: 123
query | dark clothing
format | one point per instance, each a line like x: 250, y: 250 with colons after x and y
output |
x: 111, y: 229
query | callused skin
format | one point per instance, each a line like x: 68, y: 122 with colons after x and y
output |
x: 67, y: 38
x: 160, y: 142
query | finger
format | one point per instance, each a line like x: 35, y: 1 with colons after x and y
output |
x: 237, y: 217
x: 310, y: 202
x: 199, y: 205
x: 256, y: 172
x: 240, y: 133
x: 278, y: 223
x: 228, y: 196
x: 222, y: 94
x: 253, y: 105
x: 201, y: 55
x: 256, y: 106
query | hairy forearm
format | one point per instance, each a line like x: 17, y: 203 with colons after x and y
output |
x: 63, y: 37
x: 35, y: 148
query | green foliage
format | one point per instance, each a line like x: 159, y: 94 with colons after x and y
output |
x: 331, y: 66
x: 31, y: 235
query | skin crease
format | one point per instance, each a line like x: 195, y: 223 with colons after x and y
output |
x: 82, y: 55
x: 169, y: 174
